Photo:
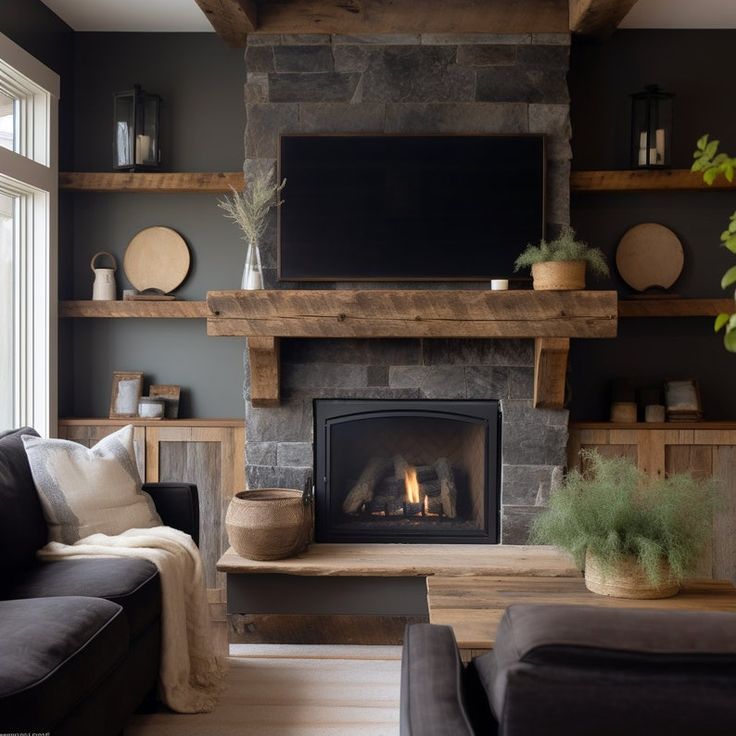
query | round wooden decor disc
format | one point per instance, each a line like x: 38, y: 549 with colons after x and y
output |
x: 650, y: 255
x: 157, y: 258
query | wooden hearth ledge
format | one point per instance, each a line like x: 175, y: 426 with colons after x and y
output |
x: 550, y: 317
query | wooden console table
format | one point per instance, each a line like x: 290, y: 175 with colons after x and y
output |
x: 474, y: 607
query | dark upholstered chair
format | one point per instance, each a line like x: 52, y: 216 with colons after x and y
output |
x: 577, y: 671
x: 79, y: 639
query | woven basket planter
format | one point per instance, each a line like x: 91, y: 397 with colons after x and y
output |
x: 627, y: 580
x: 269, y: 524
x: 559, y: 275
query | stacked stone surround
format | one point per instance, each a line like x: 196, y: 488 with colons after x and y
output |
x: 409, y: 84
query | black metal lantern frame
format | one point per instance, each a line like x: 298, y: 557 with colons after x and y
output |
x: 136, y: 128
x: 651, y: 128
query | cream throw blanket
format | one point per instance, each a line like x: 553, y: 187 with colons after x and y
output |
x: 191, y: 674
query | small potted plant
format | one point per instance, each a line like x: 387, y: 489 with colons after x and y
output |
x: 560, y: 264
x: 636, y: 537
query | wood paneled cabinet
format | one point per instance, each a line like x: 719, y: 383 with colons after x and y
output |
x: 208, y: 452
x: 707, y: 450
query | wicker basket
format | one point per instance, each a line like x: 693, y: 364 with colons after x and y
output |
x: 627, y: 580
x: 269, y: 524
x: 559, y: 275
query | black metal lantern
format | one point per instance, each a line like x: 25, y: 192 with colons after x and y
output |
x: 135, y: 145
x: 651, y: 128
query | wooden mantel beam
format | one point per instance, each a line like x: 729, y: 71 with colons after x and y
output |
x: 598, y: 17
x: 552, y: 318
x: 233, y: 20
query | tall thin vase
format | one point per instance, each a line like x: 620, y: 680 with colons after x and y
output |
x: 252, y: 271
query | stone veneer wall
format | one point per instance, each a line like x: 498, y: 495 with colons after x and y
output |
x: 404, y: 84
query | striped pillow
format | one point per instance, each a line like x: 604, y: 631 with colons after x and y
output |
x: 84, y: 491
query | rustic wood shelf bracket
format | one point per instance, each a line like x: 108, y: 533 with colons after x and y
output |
x: 265, y: 370
x: 550, y: 371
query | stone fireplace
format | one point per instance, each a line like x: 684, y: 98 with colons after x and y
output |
x: 431, y: 83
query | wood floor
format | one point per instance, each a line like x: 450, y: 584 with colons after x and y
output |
x: 283, y: 690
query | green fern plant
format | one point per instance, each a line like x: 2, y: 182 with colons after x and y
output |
x: 614, y: 510
x: 713, y: 165
x: 566, y: 247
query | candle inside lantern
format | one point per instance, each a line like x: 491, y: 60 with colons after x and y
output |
x: 142, y: 149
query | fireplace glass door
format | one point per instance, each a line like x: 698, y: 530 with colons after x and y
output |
x: 407, y: 471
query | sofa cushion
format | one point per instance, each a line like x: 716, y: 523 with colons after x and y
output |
x: 598, y: 655
x: 86, y: 491
x: 22, y: 526
x: 133, y: 584
x: 54, y: 653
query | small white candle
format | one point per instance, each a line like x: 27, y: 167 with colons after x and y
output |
x: 660, y: 145
x: 499, y: 284
x: 142, y: 148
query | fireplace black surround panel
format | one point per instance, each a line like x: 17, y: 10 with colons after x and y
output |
x: 407, y: 471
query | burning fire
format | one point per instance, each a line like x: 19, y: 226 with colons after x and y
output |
x: 412, y: 485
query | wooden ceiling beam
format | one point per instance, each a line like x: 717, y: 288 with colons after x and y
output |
x: 598, y: 17
x: 232, y: 20
x: 235, y: 19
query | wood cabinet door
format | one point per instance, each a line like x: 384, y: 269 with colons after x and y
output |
x: 705, y: 453
x: 211, y: 457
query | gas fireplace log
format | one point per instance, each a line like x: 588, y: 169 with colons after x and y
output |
x: 396, y: 488
x: 448, y: 490
x: 362, y: 492
x: 400, y: 467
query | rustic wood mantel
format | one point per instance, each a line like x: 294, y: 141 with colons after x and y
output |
x: 550, y: 317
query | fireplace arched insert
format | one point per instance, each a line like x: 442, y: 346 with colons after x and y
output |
x: 407, y: 471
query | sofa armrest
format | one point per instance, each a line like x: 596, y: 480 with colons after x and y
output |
x: 432, y: 675
x: 177, y: 505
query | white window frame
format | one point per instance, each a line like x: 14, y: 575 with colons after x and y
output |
x: 31, y: 174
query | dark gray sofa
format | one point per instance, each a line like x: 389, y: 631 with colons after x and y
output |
x: 577, y: 671
x: 79, y: 639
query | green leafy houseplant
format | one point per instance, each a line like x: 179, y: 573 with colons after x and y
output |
x: 566, y: 247
x: 713, y: 165
x: 614, y: 511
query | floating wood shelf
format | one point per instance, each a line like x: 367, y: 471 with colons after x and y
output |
x: 122, y: 309
x: 212, y: 182
x: 552, y: 318
x: 642, y: 181
x: 674, y: 307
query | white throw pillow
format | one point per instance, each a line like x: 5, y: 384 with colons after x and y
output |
x: 84, y: 491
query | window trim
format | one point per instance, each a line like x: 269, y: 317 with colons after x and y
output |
x: 32, y: 174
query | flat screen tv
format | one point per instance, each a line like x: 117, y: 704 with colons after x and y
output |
x: 408, y: 207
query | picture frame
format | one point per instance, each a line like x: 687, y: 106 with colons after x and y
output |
x: 127, y: 389
x: 170, y: 394
x: 682, y: 400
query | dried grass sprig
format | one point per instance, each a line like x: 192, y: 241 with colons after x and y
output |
x: 249, y: 209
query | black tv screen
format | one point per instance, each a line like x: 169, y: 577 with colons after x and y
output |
x: 408, y: 207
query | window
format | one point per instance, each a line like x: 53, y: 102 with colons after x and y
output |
x: 29, y: 95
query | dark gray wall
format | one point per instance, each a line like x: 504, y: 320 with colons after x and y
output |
x: 201, y: 83
x: 697, y: 67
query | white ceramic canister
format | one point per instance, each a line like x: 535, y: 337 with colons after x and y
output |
x: 151, y: 407
x: 103, y: 288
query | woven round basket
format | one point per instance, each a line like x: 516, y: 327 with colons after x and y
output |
x: 627, y: 580
x: 559, y: 275
x: 269, y: 524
